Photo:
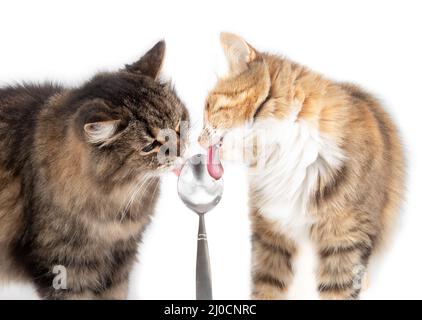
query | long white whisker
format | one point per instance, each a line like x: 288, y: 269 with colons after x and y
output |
x: 130, y: 194
x: 155, y: 189
x: 130, y: 200
x: 146, y: 183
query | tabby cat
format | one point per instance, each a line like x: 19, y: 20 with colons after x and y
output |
x: 80, y: 177
x: 329, y: 173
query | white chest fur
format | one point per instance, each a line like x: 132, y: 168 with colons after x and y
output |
x: 295, y: 154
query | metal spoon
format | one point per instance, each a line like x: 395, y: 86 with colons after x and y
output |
x: 201, y: 193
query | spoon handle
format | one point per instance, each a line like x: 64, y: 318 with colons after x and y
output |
x: 203, y: 269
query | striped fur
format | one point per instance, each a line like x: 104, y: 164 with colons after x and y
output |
x: 69, y: 200
x: 333, y: 170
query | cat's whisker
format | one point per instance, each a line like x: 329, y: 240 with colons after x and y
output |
x: 130, y: 194
x: 133, y: 192
x: 146, y: 183
x: 155, y: 189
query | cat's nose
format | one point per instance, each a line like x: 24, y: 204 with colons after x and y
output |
x: 204, y: 140
x: 209, y: 137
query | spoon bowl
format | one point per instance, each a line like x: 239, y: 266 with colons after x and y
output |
x: 200, y: 192
x: 197, y: 189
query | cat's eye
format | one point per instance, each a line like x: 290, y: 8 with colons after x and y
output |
x: 150, y: 147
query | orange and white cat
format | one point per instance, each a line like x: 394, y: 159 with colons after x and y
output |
x: 327, y: 175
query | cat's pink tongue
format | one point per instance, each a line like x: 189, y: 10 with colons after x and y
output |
x: 214, y: 166
x: 177, y: 170
x: 178, y: 166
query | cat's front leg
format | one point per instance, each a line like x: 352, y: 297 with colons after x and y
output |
x: 112, y: 290
x: 272, y: 254
x: 341, y: 274
x: 343, y: 259
x: 115, y: 291
x: 87, y: 279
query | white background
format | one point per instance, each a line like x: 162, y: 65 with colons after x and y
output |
x: 374, y: 43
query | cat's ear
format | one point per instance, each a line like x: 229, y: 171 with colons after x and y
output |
x: 239, y: 53
x: 150, y: 64
x: 101, y: 131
